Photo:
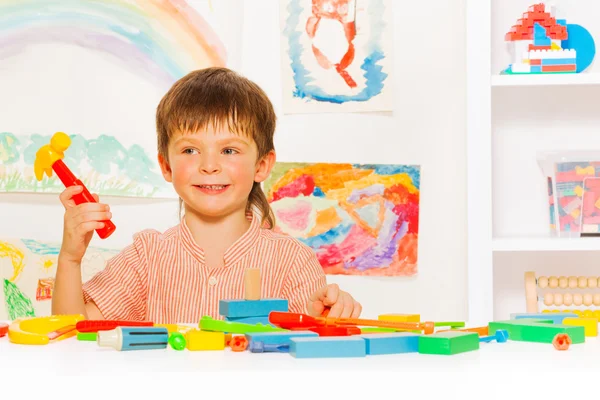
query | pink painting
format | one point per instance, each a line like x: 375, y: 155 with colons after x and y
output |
x: 359, y: 219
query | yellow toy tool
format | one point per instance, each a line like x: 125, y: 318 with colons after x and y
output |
x: 43, y: 330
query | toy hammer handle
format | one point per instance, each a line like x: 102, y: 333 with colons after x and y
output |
x: 68, y: 179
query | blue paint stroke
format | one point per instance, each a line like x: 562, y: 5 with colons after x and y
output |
x: 53, y: 249
x: 335, y: 235
x: 373, y: 72
x: 413, y: 171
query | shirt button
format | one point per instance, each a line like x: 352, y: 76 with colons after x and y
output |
x: 212, y: 281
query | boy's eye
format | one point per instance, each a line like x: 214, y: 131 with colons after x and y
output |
x: 189, y: 151
x: 229, y: 151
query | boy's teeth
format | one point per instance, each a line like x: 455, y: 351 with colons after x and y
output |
x: 213, y: 187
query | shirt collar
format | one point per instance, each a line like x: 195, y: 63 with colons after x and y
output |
x: 235, y: 252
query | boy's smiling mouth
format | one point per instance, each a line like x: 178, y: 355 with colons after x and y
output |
x: 212, y: 189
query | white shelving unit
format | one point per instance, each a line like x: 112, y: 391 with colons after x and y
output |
x: 546, y: 80
x: 509, y: 119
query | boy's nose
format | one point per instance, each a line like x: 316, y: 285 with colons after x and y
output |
x: 209, y: 166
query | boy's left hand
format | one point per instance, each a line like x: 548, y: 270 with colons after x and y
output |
x: 339, y: 303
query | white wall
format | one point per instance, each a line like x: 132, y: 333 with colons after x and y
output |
x: 427, y: 127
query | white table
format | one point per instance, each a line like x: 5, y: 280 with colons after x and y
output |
x: 514, y: 369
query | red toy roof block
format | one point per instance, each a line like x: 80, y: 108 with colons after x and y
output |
x: 536, y: 14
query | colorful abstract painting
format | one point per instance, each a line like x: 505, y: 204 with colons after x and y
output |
x: 96, y: 70
x: 359, y: 219
x: 336, y: 55
x: 27, y: 271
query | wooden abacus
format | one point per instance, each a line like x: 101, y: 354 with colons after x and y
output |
x: 549, y: 298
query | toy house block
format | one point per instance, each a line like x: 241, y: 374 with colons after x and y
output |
x: 328, y: 347
x: 201, y: 340
x: 400, y: 317
x: 556, y: 318
x: 278, y: 337
x: 590, y: 325
x: 251, y: 308
x: 448, y: 343
x: 536, y: 330
x: 251, y: 320
x: 391, y: 343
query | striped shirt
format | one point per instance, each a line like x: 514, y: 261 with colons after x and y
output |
x: 162, y: 277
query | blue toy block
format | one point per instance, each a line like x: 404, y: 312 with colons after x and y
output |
x: 278, y: 337
x: 557, y: 318
x: 536, y: 68
x: 328, y: 347
x: 559, y: 61
x: 250, y: 320
x: 391, y: 343
x: 539, y: 36
x: 241, y: 308
x: 501, y: 336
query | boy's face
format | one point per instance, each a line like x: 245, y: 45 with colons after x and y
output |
x: 213, y: 170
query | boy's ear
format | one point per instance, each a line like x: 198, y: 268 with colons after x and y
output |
x: 264, y: 166
x: 165, y: 168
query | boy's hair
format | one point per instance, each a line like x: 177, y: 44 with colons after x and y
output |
x: 220, y: 97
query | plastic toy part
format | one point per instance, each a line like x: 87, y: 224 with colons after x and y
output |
x: 561, y: 341
x: 134, y: 338
x: 448, y: 343
x: 336, y: 330
x: 197, y: 340
x: 241, y: 308
x: 106, y: 325
x: 261, y: 347
x: 400, y: 317
x: 3, y: 329
x: 238, y: 343
x: 87, y: 336
x: 177, y: 341
x: 392, y: 343
x: 49, y: 157
x: 501, y: 336
x: 537, y: 330
x: 295, y: 320
x: 209, y: 324
x: 328, y: 347
x: 42, y: 330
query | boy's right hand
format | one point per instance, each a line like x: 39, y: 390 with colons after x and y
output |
x: 80, y: 222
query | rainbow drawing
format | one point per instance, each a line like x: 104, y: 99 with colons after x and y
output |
x: 359, y: 219
x: 163, y: 38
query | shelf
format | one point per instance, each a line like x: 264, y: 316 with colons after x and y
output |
x: 545, y: 244
x: 546, y: 80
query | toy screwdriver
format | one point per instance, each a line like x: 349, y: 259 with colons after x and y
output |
x: 297, y: 320
x: 49, y: 157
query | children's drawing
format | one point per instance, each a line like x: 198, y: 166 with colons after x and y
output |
x: 359, y: 219
x: 336, y: 55
x: 542, y: 44
x: 104, y: 165
x: 28, y: 269
x: 96, y: 70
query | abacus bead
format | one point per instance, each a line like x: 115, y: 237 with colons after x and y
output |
x: 542, y: 282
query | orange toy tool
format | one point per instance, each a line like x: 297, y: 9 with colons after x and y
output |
x: 293, y: 320
x: 49, y: 157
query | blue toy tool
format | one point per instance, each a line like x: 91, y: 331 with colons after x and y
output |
x: 134, y: 338
x: 501, y: 336
x: 261, y: 347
